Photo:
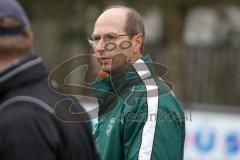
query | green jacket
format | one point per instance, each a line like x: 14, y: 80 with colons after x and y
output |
x: 139, y: 116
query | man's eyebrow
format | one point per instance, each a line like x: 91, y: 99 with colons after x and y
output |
x: 94, y: 35
x: 109, y: 33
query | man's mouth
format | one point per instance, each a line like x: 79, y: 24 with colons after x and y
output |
x: 105, y: 60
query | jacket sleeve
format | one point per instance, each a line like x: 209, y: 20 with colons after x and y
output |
x: 27, y: 133
x: 154, y: 136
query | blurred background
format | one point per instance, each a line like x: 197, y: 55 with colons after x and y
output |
x: 198, y: 40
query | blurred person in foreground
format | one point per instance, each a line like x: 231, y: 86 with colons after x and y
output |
x: 29, y: 128
x: 139, y: 116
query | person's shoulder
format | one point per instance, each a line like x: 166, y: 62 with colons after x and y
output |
x: 51, y: 96
x: 23, y: 111
x: 169, y: 103
x: 167, y: 99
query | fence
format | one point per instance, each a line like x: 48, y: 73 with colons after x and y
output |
x: 213, y: 76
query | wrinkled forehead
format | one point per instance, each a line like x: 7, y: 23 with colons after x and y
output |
x: 111, y: 21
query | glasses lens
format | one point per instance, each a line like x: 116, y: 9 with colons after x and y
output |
x: 109, y: 38
x: 95, y: 39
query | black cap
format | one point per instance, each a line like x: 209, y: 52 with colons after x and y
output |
x: 12, y: 8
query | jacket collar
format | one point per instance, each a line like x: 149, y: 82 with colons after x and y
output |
x: 140, y: 70
x: 29, y: 68
x: 136, y: 73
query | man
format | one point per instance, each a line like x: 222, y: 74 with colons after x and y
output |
x: 29, y: 128
x: 139, y: 116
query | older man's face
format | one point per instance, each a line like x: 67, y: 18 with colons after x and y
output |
x: 114, y: 52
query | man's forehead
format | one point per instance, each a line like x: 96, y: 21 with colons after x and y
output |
x: 121, y: 12
x: 113, y: 18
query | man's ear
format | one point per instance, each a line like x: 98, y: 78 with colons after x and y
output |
x: 138, y: 42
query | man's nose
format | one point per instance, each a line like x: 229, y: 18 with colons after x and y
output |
x: 100, y: 46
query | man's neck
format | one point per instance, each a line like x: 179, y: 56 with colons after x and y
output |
x: 137, y: 57
x: 128, y: 64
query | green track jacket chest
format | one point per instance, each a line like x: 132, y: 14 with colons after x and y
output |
x: 139, y: 116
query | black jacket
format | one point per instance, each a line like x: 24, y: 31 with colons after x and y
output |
x: 29, y: 129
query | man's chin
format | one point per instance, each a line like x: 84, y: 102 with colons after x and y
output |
x: 106, y: 68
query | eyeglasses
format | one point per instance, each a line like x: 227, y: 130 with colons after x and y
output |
x: 93, y: 40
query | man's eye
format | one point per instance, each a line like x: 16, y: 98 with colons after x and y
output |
x: 110, y: 37
x: 95, y: 39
